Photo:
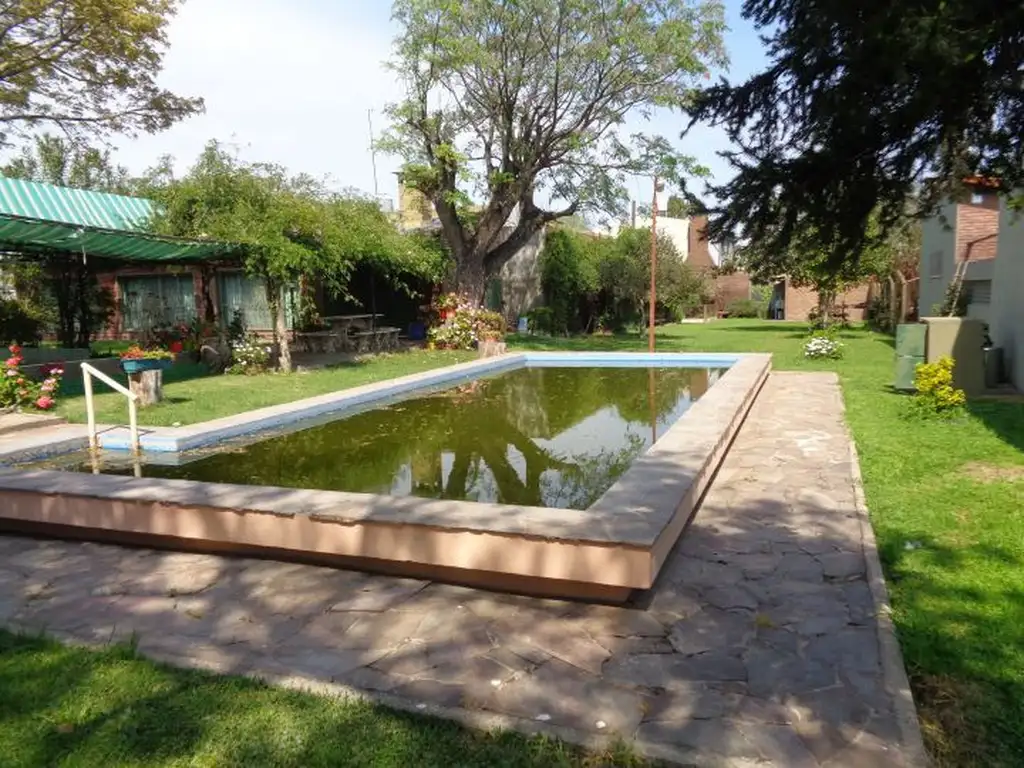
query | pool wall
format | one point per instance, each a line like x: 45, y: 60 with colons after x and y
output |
x: 605, y: 552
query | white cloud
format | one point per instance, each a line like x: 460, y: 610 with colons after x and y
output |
x: 286, y: 83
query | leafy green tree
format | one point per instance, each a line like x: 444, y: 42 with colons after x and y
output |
x: 86, y: 67
x: 505, y: 100
x: 864, y: 106
x: 54, y: 160
x: 284, y: 227
x: 625, y: 271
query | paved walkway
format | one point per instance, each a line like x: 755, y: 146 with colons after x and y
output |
x: 759, y: 646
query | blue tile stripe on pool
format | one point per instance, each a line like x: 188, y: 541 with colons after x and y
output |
x: 118, y: 440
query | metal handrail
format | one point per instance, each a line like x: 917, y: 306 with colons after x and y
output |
x: 88, y: 372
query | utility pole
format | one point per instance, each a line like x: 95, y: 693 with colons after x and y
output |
x: 654, y: 267
x: 373, y: 154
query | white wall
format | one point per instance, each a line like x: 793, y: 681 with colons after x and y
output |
x: 1007, y: 311
x: 677, y: 230
x: 938, y: 238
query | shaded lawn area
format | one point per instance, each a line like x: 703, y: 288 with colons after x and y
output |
x: 190, y: 396
x: 75, y: 707
x: 947, y: 503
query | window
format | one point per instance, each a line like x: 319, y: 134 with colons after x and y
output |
x: 156, y: 300
x: 935, y: 265
x: 977, y: 198
x: 239, y: 291
x: 978, y: 291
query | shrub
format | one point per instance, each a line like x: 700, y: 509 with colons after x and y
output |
x: 541, y: 320
x: 936, y: 394
x: 746, y: 308
x: 19, y: 323
x: 17, y: 390
x: 954, y: 302
x: 563, y: 280
x: 250, y: 355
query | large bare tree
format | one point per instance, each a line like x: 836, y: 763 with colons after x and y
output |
x: 514, y: 109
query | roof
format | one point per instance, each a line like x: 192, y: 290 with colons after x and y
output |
x: 36, y: 217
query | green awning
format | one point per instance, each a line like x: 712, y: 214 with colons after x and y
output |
x: 38, y: 217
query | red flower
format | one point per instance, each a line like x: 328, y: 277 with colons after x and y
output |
x: 44, y: 403
x: 15, y: 350
x: 175, y: 347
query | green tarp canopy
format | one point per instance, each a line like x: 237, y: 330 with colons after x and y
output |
x: 38, y: 217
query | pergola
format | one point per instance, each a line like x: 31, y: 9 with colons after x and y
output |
x: 46, y: 219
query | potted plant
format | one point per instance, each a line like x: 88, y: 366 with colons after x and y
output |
x: 447, y: 305
x: 136, y: 359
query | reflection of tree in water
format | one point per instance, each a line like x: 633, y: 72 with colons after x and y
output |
x: 476, y: 441
x: 591, y: 475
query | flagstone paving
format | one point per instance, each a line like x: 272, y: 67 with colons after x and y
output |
x: 762, y: 643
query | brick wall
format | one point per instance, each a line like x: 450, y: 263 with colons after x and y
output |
x: 730, y: 288
x: 800, y: 302
x: 977, y: 229
x: 699, y: 256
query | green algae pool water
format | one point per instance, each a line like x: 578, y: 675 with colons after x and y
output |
x: 552, y: 437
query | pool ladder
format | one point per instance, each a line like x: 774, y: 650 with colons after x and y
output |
x: 88, y: 372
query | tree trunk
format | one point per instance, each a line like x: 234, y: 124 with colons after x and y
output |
x: 205, y: 286
x: 276, y: 304
x: 148, y: 385
x: 471, y: 278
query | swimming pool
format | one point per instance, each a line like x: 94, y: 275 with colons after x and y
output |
x: 544, y: 437
x: 568, y: 474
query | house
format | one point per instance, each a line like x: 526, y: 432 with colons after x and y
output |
x: 1006, y: 311
x: 156, y: 280
x: 689, y: 235
x: 962, y: 232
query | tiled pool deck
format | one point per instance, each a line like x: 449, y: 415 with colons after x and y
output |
x: 765, y: 642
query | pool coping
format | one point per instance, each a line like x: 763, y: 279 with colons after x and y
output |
x: 620, y: 541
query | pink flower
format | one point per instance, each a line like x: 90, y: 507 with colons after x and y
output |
x: 44, y: 403
x: 11, y: 373
x: 13, y: 362
x: 48, y: 385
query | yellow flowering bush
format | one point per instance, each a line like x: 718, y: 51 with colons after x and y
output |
x: 935, y: 390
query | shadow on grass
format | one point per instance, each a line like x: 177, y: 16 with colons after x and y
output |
x: 1004, y: 418
x: 961, y: 646
x: 130, y: 710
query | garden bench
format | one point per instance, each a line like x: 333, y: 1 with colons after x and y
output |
x: 317, y: 342
x: 384, y: 339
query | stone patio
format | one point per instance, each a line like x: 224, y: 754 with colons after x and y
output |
x: 765, y: 642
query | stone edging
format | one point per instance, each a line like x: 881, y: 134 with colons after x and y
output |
x: 894, y: 672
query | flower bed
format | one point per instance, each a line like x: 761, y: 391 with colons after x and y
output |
x: 463, y: 325
x: 18, y: 390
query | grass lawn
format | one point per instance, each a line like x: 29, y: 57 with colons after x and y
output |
x: 946, y: 499
x: 190, y: 396
x: 73, y: 707
x: 947, y: 504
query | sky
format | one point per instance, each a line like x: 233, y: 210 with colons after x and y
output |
x: 292, y: 82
